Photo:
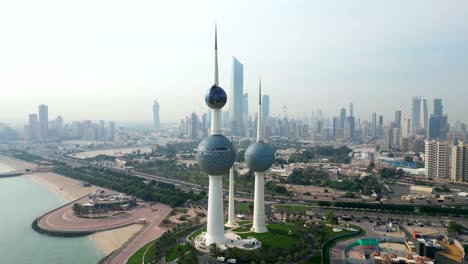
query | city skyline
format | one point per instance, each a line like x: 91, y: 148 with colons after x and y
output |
x: 336, y: 58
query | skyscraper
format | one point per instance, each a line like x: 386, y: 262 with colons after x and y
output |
x: 59, y: 126
x: 237, y: 97
x: 438, y: 108
x: 398, y: 119
x: 342, y: 117
x: 33, y: 127
x: 436, y: 159
x: 194, y: 127
x: 156, y: 121
x: 43, y: 122
x: 459, y: 163
x: 374, y: 124
x: 351, y: 109
x: 349, y: 127
x: 416, y: 118
x: 245, y: 113
x: 424, y: 115
x: 438, y: 123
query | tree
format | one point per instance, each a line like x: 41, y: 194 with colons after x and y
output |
x: 331, y: 218
x: 408, y: 159
x: 455, y: 228
x: 77, y: 208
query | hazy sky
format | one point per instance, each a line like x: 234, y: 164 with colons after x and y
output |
x: 109, y: 59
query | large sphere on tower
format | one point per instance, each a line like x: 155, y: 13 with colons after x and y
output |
x: 215, y: 97
x: 259, y: 156
x: 215, y: 155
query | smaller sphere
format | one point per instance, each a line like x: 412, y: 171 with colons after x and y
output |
x: 215, y: 97
x: 259, y: 156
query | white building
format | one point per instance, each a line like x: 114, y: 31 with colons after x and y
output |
x: 436, y: 159
x: 459, y: 163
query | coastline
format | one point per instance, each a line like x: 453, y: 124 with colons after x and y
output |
x: 70, y: 190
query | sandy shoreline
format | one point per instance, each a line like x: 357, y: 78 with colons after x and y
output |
x: 70, y: 189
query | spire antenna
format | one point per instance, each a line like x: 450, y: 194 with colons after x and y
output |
x: 216, y: 56
x: 260, y: 122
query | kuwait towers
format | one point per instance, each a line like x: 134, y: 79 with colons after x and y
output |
x: 259, y: 157
x: 215, y: 156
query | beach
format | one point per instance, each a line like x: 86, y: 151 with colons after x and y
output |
x: 70, y: 190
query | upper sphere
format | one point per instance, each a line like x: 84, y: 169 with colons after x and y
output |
x: 259, y: 156
x: 215, y: 155
x: 215, y: 97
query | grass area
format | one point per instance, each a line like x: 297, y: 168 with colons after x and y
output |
x: 176, y: 251
x: 138, y: 256
x: 277, y: 237
x: 242, y: 228
x: 196, y: 233
x: 243, y: 208
x: 292, y: 208
x: 317, y: 259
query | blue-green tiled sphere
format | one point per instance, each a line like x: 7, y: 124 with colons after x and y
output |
x: 259, y: 156
x: 215, y: 155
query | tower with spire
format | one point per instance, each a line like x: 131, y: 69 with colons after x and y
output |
x: 215, y: 155
x: 231, y: 207
x: 259, y: 157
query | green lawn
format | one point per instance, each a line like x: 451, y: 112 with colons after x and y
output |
x: 242, y: 228
x: 196, y: 233
x: 176, y: 251
x: 243, y: 208
x: 329, y: 234
x: 292, y: 208
x: 137, y: 257
x: 276, y: 237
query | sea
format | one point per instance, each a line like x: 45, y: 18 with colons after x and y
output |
x: 22, y: 200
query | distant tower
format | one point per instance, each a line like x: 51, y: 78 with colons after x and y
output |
x: 231, y: 209
x: 259, y: 157
x: 237, y: 97
x: 351, y: 109
x: 156, y: 114
x: 215, y: 156
x: 43, y: 122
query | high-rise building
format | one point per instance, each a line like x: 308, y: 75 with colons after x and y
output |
x: 237, y: 97
x: 459, y: 163
x: 111, y: 130
x: 59, y: 127
x: 398, y: 119
x: 43, y: 122
x: 438, y: 107
x: 438, y: 127
x: 380, y: 126
x: 33, y: 127
x: 245, y: 111
x: 336, y: 126
x: 351, y: 109
x: 374, y: 124
x: 194, y: 127
x: 342, y: 117
x: 436, y: 159
x: 156, y: 121
x: 424, y: 115
x: 349, y: 127
x: 416, y: 118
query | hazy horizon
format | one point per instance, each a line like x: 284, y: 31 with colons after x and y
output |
x: 110, y: 59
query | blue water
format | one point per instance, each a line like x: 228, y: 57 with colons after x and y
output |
x: 21, y: 201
